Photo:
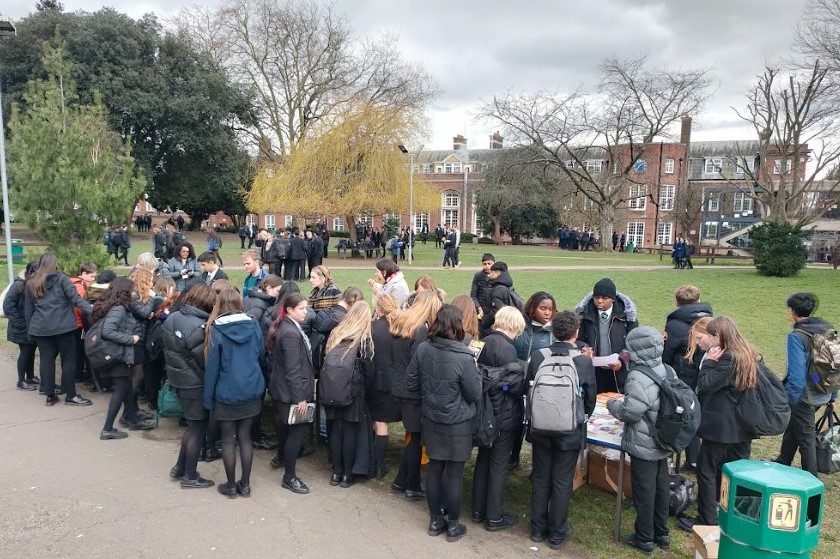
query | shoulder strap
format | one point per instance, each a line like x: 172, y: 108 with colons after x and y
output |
x: 648, y: 372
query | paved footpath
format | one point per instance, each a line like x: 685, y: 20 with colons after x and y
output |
x: 67, y: 494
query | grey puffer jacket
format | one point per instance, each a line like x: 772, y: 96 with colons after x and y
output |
x: 445, y: 374
x: 52, y: 314
x: 640, y: 405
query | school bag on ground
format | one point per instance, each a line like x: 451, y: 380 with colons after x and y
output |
x: 828, y: 443
x: 679, y: 410
x: 100, y: 352
x: 169, y: 405
x: 555, y: 402
x: 824, y: 361
x: 764, y: 411
x: 335, y: 384
x: 683, y: 494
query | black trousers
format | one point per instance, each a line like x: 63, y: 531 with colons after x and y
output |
x: 50, y: 348
x: 552, y: 480
x: 651, y: 494
x: 26, y: 361
x: 800, y: 435
x: 491, y: 468
x: 709, y: 468
x: 82, y: 365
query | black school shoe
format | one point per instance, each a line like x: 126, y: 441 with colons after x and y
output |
x: 23, y: 385
x: 295, y: 485
x: 663, y: 542
x: 631, y: 541
x: 228, y: 490
x: 112, y: 435
x: 197, y: 483
x: 437, y: 525
x: 502, y: 523
x: 455, y: 531
x: 52, y: 400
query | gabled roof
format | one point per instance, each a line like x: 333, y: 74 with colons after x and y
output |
x: 723, y: 148
x: 463, y: 155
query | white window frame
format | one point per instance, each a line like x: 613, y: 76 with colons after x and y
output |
x: 709, y: 230
x: 777, y: 166
x: 338, y: 224
x: 741, y: 203
x: 669, y: 166
x: 289, y: 221
x: 636, y: 233
x: 713, y: 202
x: 449, y: 217
x: 637, y: 200
x: 594, y: 165
x: 250, y: 219
x: 364, y: 219
x: 451, y: 199
x: 713, y: 166
x: 419, y: 220
x: 667, y: 194
x: 270, y: 221
x: 665, y: 233
x: 451, y: 167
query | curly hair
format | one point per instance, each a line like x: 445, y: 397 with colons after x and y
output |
x: 118, y: 293
x: 143, y: 280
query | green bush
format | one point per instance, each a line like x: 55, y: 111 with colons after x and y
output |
x: 340, y: 234
x: 71, y: 258
x: 779, y: 248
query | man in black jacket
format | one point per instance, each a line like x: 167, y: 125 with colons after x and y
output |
x: 482, y: 286
x: 677, y: 327
x: 606, y: 316
x: 500, y: 295
x: 314, y: 250
x: 555, y: 457
x: 210, y: 270
x: 439, y: 235
x: 296, y: 257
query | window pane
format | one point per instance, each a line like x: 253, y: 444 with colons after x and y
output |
x: 666, y: 197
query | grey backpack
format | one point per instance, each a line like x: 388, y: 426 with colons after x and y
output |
x: 555, y: 403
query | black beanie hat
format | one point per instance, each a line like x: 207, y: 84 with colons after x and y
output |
x: 605, y: 288
x: 487, y: 256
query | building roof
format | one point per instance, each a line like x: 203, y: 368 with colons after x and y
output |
x: 463, y: 155
x: 723, y: 148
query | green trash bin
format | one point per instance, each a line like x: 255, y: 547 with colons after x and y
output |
x: 17, y: 250
x: 768, y: 510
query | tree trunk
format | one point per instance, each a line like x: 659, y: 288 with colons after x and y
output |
x: 351, y: 227
x: 606, y: 224
x: 497, y: 230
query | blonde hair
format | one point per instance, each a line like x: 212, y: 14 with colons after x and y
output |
x: 386, y: 305
x: 143, y: 280
x: 698, y: 327
x: 423, y: 311
x: 469, y: 318
x: 251, y: 254
x: 325, y: 273
x: 355, y: 327
x: 147, y: 261
x: 510, y: 320
x: 744, y: 356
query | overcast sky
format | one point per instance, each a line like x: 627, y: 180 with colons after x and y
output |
x: 478, y: 48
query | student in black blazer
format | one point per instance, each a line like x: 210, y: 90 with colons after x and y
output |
x: 210, y: 270
x: 292, y: 382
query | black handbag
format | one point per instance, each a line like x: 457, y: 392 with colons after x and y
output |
x: 828, y: 443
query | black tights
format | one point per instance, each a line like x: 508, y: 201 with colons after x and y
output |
x: 343, y: 446
x: 445, y: 488
x: 136, y: 380
x: 409, y: 474
x: 191, y: 444
x: 121, y: 396
x: 232, y: 430
x: 289, y: 439
x: 26, y: 361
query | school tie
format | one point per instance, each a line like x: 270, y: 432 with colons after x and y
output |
x: 604, y: 317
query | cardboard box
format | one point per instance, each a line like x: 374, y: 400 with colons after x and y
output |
x: 580, y: 471
x: 706, y: 541
x: 602, y: 469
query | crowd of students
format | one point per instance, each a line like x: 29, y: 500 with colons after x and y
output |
x: 416, y: 362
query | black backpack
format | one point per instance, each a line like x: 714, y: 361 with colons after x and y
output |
x: 338, y: 374
x: 101, y: 353
x: 683, y: 494
x: 516, y: 300
x: 763, y: 411
x: 679, y: 410
x: 485, y: 425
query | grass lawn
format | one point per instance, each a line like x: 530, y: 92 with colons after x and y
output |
x: 755, y: 303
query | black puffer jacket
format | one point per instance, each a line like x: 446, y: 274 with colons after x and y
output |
x: 499, y: 297
x: 445, y: 374
x: 292, y: 371
x: 118, y: 326
x: 677, y: 326
x: 142, y: 313
x: 499, y: 351
x: 719, y: 420
x: 481, y: 290
x: 402, y: 351
x: 183, y: 343
x: 13, y: 309
x: 53, y: 314
x: 383, y: 360
x: 257, y: 304
x: 297, y: 248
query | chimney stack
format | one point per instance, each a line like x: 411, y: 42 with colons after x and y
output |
x: 496, y: 140
x: 459, y: 142
x: 685, y: 130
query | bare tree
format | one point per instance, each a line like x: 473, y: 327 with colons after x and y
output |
x: 597, y: 139
x: 303, y: 64
x: 796, y: 117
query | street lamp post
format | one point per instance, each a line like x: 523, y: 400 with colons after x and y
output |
x: 411, y: 232
x: 6, y: 27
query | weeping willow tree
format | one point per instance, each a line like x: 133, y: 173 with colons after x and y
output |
x: 353, y: 167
